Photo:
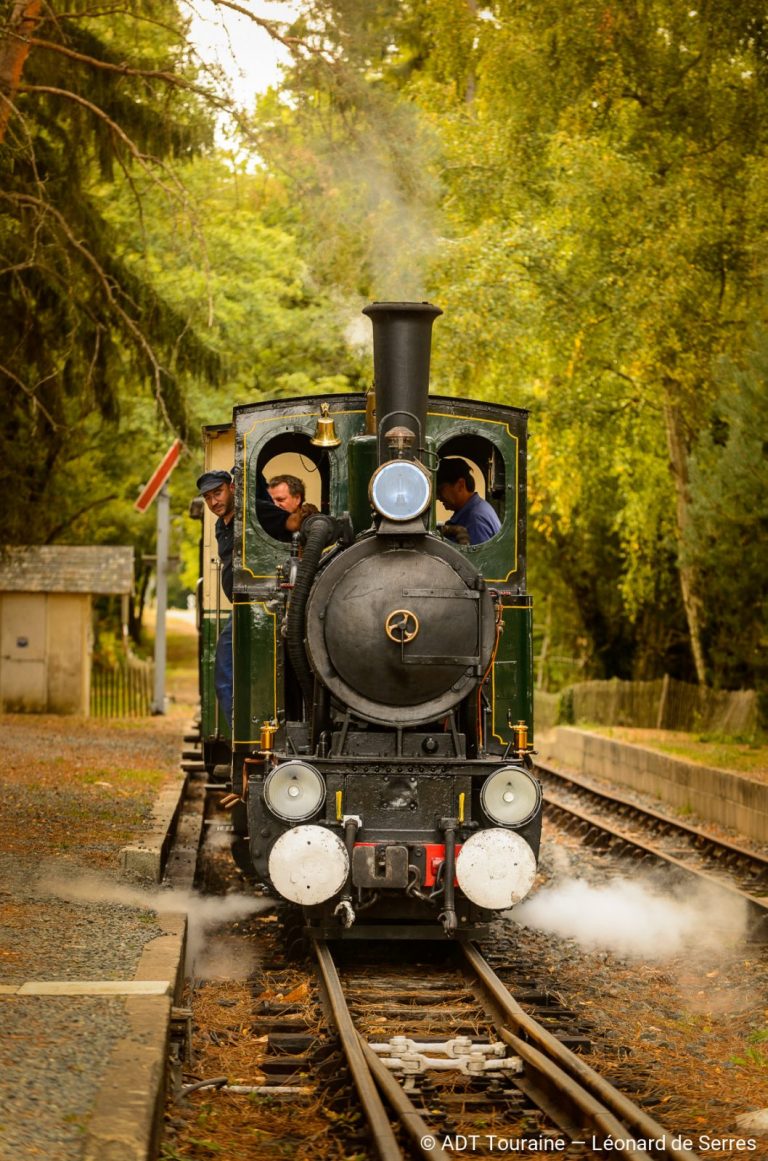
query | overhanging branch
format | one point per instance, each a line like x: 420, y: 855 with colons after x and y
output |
x: 109, y: 293
x: 173, y: 79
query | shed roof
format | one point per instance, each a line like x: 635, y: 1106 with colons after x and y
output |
x: 100, y: 569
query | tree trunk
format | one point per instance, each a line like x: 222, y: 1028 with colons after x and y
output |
x: 471, y: 82
x: 677, y: 445
x: 136, y: 605
x: 14, y: 49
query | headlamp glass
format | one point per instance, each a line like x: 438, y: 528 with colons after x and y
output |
x: 400, y: 490
x: 294, y: 791
x: 510, y: 796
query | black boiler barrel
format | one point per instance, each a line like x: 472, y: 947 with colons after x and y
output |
x: 402, y: 343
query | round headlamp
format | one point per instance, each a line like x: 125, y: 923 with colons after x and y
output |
x: 294, y: 791
x: 400, y: 490
x: 510, y: 796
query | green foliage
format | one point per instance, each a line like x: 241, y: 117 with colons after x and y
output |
x: 587, y: 189
x: 582, y: 189
x: 134, y: 275
x: 80, y: 329
x: 728, y: 533
x: 756, y: 1054
x: 238, y: 279
x: 602, y: 195
x: 355, y: 159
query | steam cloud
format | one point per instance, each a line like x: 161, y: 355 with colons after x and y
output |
x: 634, y: 919
x: 204, y: 913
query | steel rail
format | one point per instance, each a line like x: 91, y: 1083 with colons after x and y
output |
x: 541, y: 1051
x: 757, y: 862
x: 756, y: 904
x: 409, y: 1117
x: 383, y: 1135
x: 368, y: 1072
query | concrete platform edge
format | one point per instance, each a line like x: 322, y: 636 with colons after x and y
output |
x: 718, y: 796
x: 145, y: 857
x: 127, y: 1119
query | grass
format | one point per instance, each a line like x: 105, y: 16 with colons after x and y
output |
x: 757, y: 1051
x: 744, y: 757
x: 130, y: 778
x: 181, y: 677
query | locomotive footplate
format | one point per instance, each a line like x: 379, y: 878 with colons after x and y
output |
x: 380, y: 865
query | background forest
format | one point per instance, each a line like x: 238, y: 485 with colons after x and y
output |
x: 582, y: 187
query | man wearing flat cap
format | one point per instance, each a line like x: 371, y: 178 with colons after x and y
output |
x: 279, y: 518
x: 218, y: 491
x: 473, y: 516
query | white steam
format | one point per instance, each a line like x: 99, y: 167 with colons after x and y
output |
x: 204, y: 914
x: 357, y: 330
x: 633, y: 919
x: 218, y: 840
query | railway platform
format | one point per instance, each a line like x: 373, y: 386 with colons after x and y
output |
x: 91, y: 951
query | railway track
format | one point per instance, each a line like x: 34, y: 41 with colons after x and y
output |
x: 426, y: 1054
x: 429, y: 1053
x: 445, y: 1059
x: 623, y: 828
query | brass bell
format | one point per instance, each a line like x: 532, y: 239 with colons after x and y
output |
x: 325, y: 432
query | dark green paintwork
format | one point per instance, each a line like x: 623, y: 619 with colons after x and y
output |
x: 257, y: 556
x: 256, y: 625
x: 208, y: 711
x: 512, y: 682
x: 502, y: 558
x: 362, y: 465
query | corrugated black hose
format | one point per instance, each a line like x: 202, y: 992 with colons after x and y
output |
x: 317, y: 532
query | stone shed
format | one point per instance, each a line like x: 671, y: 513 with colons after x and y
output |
x: 46, y: 636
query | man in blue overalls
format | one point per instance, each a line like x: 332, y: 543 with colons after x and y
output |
x: 218, y: 491
x: 456, y: 491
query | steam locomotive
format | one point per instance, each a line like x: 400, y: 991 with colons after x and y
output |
x: 379, y: 756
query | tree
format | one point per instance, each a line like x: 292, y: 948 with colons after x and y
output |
x: 581, y: 187
x: 23, y: 19
x: 241, y: 277
x: 356, y: 159
x: 727, y: 534
x: 78, y: 323
x: 621, y: 146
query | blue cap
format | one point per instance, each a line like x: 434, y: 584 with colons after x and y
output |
x: 210, y: 480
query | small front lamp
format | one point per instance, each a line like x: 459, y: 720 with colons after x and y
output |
x: 294, y: 791
x: 400, y: 490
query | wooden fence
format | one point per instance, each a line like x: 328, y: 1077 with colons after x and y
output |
x: 666, y: 704
x: 122, y: 691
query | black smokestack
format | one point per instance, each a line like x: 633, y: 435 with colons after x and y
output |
x: 402, y: 342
